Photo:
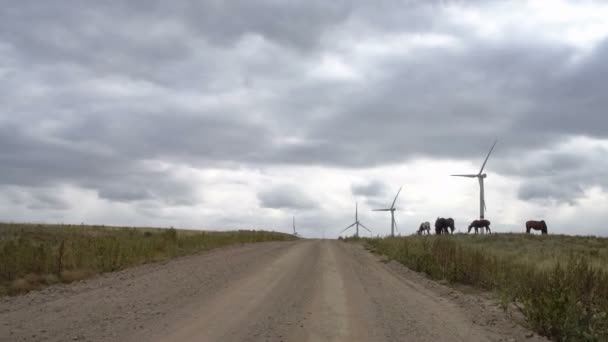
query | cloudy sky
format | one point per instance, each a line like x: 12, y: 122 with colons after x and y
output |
x: 239, y: 114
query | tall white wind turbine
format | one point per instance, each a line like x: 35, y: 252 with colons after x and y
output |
x: 357, y: 223
x: 481, y: 176
x: 392, y: 210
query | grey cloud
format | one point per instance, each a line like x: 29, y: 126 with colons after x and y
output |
x: 90, y: 92
x: 370, y: 189
x: 543, y: 191
x: 286, y: 197
x: 439, y: 102
x: 42, y: 162
x: 35, y: 198
x: 559, y: 176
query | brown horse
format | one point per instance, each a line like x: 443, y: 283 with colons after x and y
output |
x: 480, y: 224
x: 536, y: 225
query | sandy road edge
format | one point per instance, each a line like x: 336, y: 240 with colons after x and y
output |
x: 483, y: 306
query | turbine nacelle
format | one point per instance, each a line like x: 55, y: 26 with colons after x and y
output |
x: 357, y: 223
x: 480, y: 177
x: 392, y: 210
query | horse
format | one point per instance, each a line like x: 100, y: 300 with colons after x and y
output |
x: 424, y: 227
x: 451, y: 225
x: 442, y: 225
x: 483, y: 223
x: 536, y: 225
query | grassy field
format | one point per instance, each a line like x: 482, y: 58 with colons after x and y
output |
x: 33, y: 256
x: 559, y: 283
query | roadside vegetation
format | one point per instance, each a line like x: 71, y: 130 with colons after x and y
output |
x: 559, y: 283
x: 33, y: 256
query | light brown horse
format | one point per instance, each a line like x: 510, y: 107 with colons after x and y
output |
x: 425, y: 227
x: 536, y: 225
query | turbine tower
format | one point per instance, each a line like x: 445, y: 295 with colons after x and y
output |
x: 392, y: 210
x: 481, y: 176
x: 294, y: 227
x: 357, y: 223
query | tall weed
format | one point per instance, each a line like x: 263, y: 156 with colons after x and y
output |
x: 68, y: 253
x: 565, y: 299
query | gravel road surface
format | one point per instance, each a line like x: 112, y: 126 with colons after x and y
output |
x: 309, y: 290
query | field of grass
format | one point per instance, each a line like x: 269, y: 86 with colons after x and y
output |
x: 559, y: 283
x: 33, y: 256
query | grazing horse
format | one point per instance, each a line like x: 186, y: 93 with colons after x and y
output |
x: 442, y: 225
x: 424, y: 227
x: 536, y: 225
x: 480, y: 224
x: 451, y: 225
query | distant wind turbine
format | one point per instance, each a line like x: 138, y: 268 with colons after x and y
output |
x: 481, y: 176
x: 357, y: 223
x: 392, y: 210
x: 294, y: 227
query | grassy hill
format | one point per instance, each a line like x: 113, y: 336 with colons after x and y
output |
x: 559, y: 283
x: 33, y: 256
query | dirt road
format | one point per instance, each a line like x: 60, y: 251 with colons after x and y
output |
x: 281, y: 291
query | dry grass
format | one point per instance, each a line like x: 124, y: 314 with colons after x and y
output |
x: 560, y: 283
x: 33, y: 256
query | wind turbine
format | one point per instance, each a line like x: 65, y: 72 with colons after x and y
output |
x: 392, y: 210
x: 481, y: 176
x: 294, y: 227
x: 357, y: 223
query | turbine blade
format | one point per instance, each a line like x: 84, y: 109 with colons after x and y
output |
x: 468, y: 176
x: 395, y: 200
x: 485, y: 161
x: 362, y: 225
x: 347, y: 228
x: 381, y: 209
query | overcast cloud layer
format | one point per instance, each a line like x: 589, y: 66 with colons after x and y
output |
x: 213, y: 114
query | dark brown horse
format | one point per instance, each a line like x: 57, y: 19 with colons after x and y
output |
x: 442, y: 225
x: 451, y: 224
x: 480, y: 224
x: 536, y: 225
